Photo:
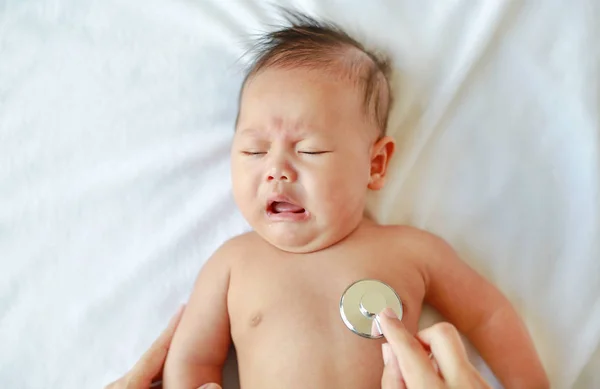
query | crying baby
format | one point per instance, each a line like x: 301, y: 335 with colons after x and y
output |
x: 310, y: 142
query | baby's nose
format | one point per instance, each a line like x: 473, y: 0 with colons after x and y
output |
x: 279, y: 176
x: 283, y: 172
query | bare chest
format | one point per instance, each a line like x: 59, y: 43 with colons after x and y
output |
x: 302, y: 292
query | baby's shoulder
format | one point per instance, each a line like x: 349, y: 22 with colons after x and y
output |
x: 419, y: 241
x: 405, y: 232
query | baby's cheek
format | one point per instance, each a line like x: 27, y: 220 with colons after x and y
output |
x: 332, y: 194
x: 245, y: 184
x: 343, y: 195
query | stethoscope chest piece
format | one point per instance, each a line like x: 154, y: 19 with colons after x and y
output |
x: 364, y: 299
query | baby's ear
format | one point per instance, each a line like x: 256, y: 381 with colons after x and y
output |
x: 381, y: 154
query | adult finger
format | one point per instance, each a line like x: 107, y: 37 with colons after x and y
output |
x: 414, y: 363
x: 451, y: 356
x: 448, y: 350
x: 391, y: 377
x: 150, y: 364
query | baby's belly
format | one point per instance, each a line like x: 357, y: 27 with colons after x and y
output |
x: 287, y: 341
x: 283, y: 351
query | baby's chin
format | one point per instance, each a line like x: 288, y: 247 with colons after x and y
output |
x: 294, y: 240
x: 297, y: 246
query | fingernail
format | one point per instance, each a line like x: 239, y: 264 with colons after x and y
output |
x: 389, y: 313
x: 376, y: 327
x: 210, y: 386
x: 387, y: 353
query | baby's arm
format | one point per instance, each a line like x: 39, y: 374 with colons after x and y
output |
x: 484, y: 316
x: 201, y: 343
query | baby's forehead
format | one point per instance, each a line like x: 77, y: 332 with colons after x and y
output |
x: 321, y: 89
x: 304, y: 81
x: 360, y: 79
x: 284, y: 129
x: 321, y: 46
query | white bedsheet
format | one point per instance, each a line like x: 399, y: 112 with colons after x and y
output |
x: 115, y: 121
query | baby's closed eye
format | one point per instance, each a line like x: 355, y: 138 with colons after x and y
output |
x: 253, y: 152
x: 313, y: 152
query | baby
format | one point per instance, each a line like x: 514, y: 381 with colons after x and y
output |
x: 309, y: 144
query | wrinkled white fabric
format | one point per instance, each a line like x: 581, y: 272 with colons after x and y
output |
x: 115, y: 122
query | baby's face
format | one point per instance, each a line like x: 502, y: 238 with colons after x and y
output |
x: 302, y: 158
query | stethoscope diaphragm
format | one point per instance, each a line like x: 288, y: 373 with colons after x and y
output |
x: 362, y: 301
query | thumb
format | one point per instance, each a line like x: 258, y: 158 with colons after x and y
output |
x: 211, y: 385
x: 392, y: 376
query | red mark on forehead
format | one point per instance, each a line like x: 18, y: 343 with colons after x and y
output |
x: 279, y: 127
x: 277, y: 122
x: 288, y: 127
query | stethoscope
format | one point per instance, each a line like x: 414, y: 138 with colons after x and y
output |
x: 362, y: 301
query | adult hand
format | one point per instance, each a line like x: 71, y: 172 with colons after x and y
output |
x: 408, y: 365
x: 147, y: 372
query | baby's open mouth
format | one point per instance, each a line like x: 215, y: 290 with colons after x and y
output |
x: 284, y: 207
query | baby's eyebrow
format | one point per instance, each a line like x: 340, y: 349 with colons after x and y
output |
x: 296, y: 132
x: 249, y: 131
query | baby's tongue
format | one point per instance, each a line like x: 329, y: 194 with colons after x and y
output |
x: 286, y: 207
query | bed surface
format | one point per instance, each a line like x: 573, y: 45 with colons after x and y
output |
x: 115, y: 122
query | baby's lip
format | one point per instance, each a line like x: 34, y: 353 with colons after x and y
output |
x: 278, y: 198
x: 281, y: 208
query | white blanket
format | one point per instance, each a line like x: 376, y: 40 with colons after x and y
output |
x: 115, y: 122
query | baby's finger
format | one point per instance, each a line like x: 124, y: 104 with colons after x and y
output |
x: 448, y: 350
x: 150, y: 364
x: 414, y: 364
